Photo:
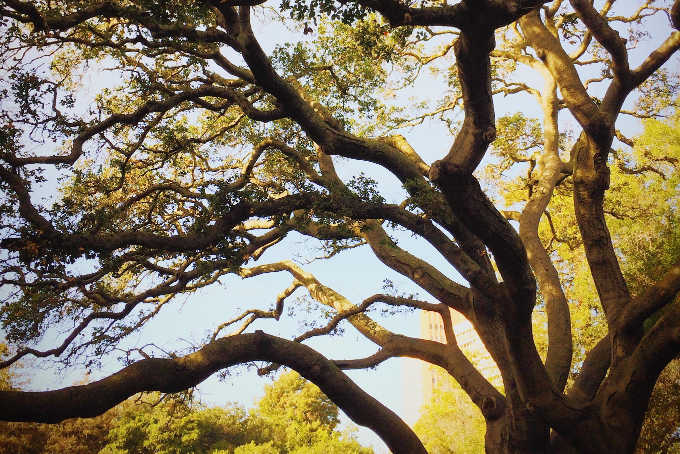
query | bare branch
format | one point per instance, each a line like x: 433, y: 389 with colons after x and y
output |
x: 256, y: 314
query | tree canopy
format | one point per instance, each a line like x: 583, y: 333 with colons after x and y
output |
x: 200, y: 149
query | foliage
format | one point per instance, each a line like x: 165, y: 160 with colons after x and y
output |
x: 293, y: 416
x: 172, y: 429
x: 254, y: 448
x: 298, y: 418
x: 450, y: 423
x: 660, y: 430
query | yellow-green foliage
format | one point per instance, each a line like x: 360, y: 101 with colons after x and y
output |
x: 450, y: 423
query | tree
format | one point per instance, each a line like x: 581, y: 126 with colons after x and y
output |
x: 176, y: 428
x: 450, y: 423
x: 209, y: 152
x: 660, y: 430
x: 297, y: 414
x: 293, y: 417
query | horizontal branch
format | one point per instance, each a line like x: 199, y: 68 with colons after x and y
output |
x: 164, y: 105
x: 190, y: 242
x: 487, y: 14
x: 173, y: 375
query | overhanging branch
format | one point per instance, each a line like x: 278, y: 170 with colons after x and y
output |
x: 173, y: 375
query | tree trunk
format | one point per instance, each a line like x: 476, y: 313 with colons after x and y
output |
x: 517, y: 432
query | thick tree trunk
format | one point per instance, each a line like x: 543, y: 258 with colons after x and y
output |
x: 517, y: 432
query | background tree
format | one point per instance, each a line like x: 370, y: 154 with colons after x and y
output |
x: 292, y: 417
x: 450, y: 423
x: 207, y: 154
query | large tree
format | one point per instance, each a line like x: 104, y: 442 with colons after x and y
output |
x: 206, y: 152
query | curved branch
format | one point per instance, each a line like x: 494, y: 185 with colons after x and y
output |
x: 171, y: 286
x: 327, y: 296
x: 373, y: 360
x: 365, y: 304
x: 556, y: 60
x: 657, y: 58
x: 558, y: 360
x: 489, y: 400
x: 52, y: 20
x: 256, y: 313
x: 449, y: 357
x: 106, y: 315
x: 486, y: 14
x: 592, y: 372
x: 173, y: 375
x: 189, y: 242
x: 416, y: 269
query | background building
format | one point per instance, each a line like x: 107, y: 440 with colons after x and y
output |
x: 432, y: 328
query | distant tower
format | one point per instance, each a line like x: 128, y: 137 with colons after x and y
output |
x: 432, y: 328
